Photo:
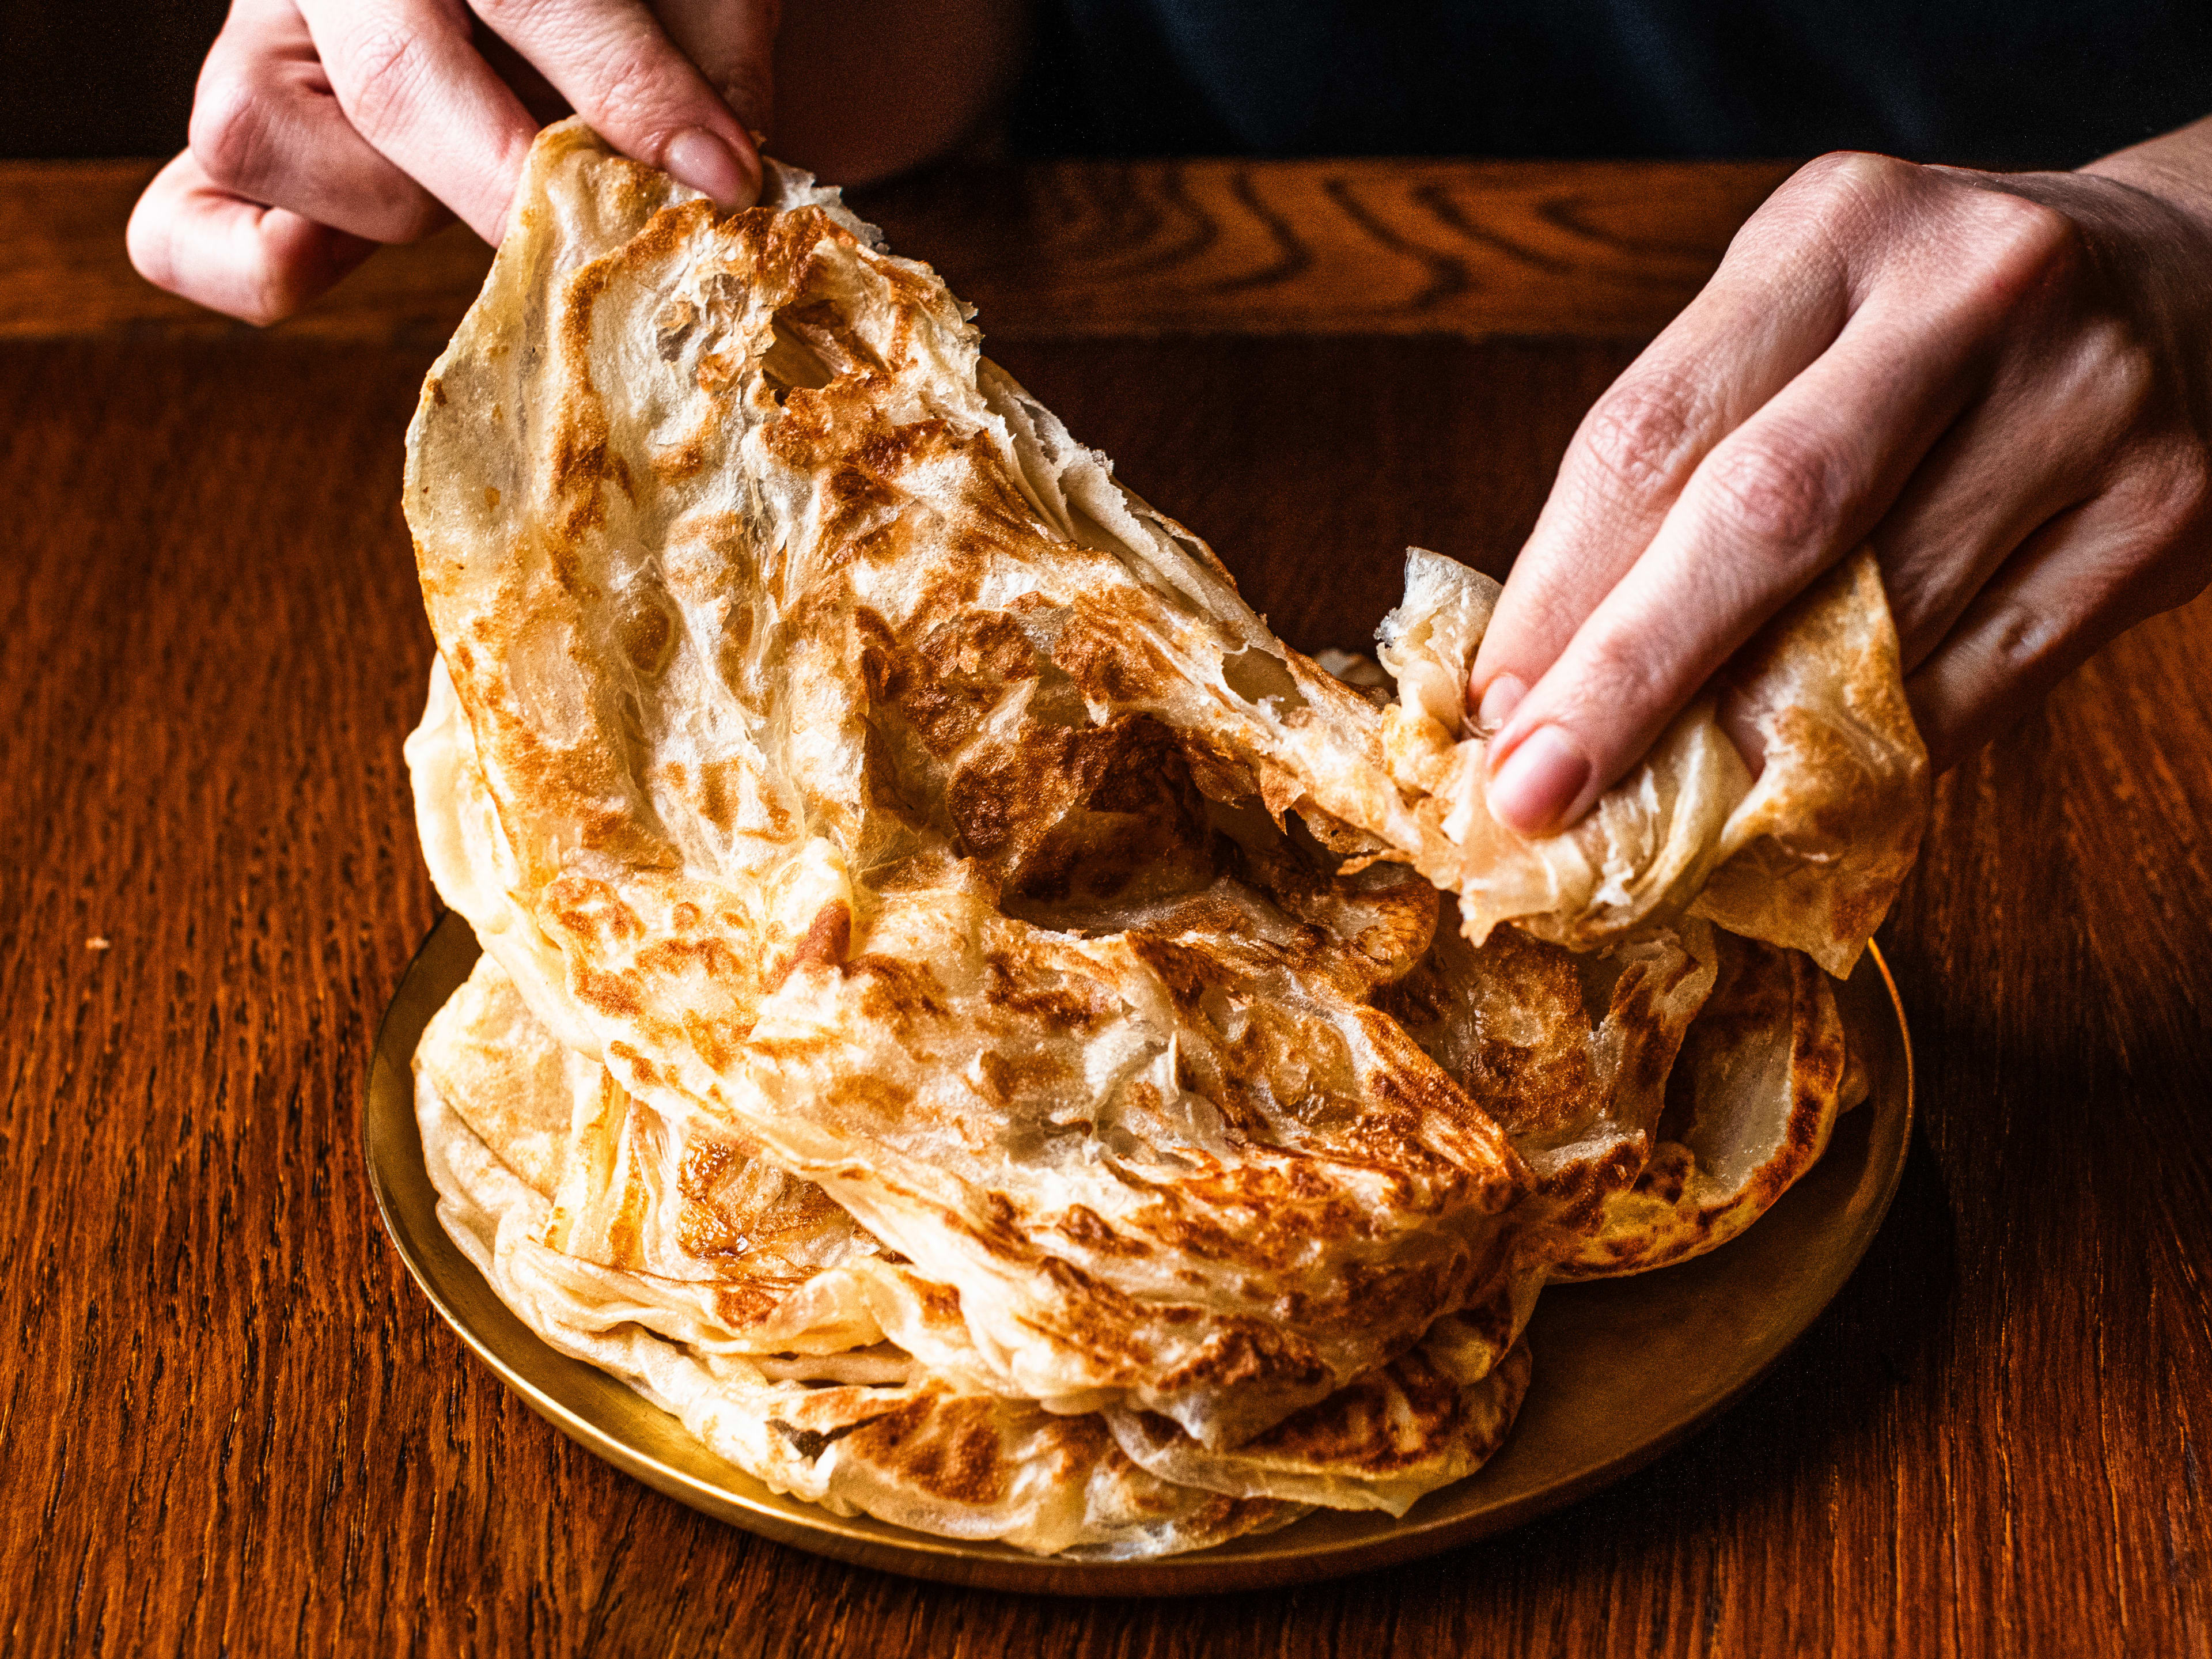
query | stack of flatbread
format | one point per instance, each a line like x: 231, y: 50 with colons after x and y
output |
x: 970, y: 1022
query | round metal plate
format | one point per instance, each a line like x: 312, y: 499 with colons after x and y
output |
x: 1624, y: 1369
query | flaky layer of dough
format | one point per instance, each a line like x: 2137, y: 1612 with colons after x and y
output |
x: 844, y: 772
x: 745, y: 1303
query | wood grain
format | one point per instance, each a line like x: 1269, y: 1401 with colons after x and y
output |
x: 64, y: 272
x: 229, y: 1423
x: 1069, y: 250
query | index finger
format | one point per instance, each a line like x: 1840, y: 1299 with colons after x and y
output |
x: 414, y: 85
x: 1767, y: 314
x: 612, y: 60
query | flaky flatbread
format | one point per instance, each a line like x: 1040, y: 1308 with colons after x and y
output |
x: 806, y: 672
x: 865, y: 1429
x: 745, y: 1303
x: 1806, y: 856
x: 997, y: 989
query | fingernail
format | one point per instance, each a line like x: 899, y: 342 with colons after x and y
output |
x: 1539, y: 782
x: 697, y: 157
x: 1499, y: 703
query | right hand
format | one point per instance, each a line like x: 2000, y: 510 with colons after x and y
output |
x: 322, y: 128
x: 2000, y: 382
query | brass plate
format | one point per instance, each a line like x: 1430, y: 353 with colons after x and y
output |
x: 1624, y: 1369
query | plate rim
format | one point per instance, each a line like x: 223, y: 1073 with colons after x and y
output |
x: 1265, y: 1561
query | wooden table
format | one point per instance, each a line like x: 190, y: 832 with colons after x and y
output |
x: 228, y: 1422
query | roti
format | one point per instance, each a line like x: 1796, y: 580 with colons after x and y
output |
x: 953, y: 975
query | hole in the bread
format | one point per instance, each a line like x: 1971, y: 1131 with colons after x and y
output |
x: 1260, y: 676
x: 790, y: 362
x: 1307, y: 845
x: 674, y: 326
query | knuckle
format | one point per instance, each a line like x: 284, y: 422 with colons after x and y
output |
x: 1781, y: 495
x: 2024, y: 240
x: 1835, y: 209
x: 1845, y: 184
x: 2185, y: 494
x: 1851, y: 171
x: 2018, y: 638
x: 1555, y: 611
x: 1621, y: 684
x: 1642, y: 434
x: 2125, y: 374
x: 228, y: 133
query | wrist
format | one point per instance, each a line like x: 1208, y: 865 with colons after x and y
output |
x: 2175, y: 168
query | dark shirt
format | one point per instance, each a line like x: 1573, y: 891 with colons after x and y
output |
x: 1993, y: 82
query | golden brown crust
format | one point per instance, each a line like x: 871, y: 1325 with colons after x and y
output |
x: 745, y: 1302
x: 1431, y: 1416
x: 921, y: 853
x: 1096, y: 1051
x: 1750, y: 1105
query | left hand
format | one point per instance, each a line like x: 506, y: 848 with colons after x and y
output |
x: 2003, y: 381
x: 322, y: 128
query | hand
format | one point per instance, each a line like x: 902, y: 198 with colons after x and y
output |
x: 2003, y: 382
x: 322, y: 128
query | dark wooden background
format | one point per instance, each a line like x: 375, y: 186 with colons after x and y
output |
x: 228, y: 1422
